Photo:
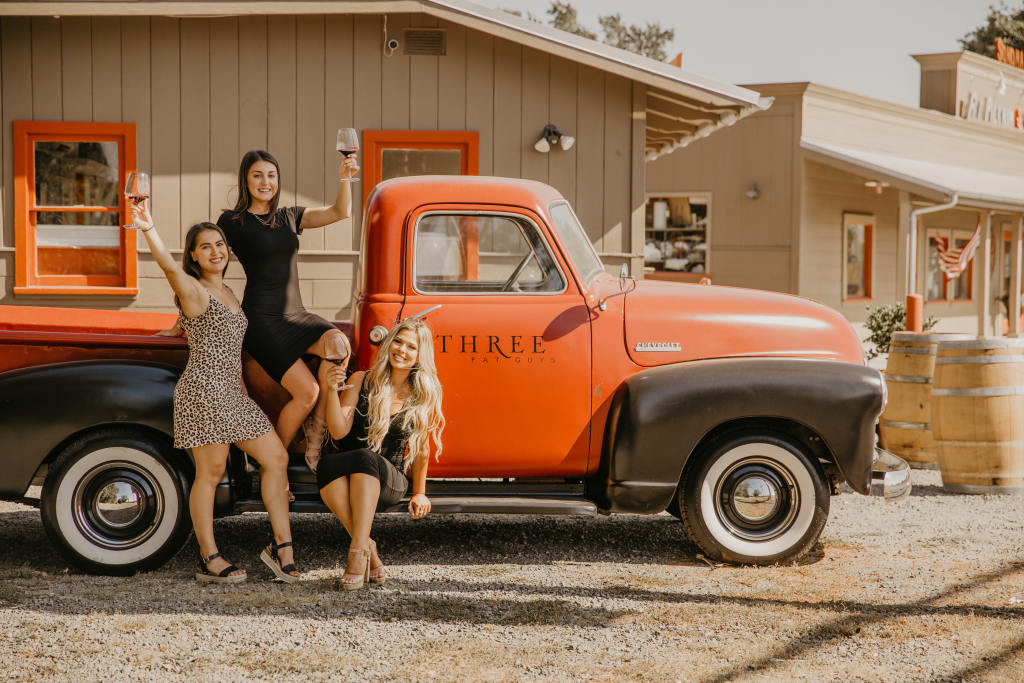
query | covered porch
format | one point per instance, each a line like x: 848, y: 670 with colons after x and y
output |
x: 928, y: 189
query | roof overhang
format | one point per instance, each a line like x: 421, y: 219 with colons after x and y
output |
x: 680, y: 106
x: 931, y: 180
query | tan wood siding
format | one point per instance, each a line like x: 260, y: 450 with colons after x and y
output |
x: 203, y: 91
x: 756, y: 151
x: 829, y: 194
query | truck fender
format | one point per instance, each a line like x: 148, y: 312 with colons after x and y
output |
x: 42, y: 406
x: 659, y: 417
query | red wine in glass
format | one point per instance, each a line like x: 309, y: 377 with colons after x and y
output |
x: 136, y: 190
x: 347, y: 145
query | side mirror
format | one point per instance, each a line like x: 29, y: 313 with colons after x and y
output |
x: 623, y: 274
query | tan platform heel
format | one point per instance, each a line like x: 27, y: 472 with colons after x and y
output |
x: 378, y: 575
x: 362, y: 560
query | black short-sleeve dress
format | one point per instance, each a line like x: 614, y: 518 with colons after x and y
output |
x: 280, y: 328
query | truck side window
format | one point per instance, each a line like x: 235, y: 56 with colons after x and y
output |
x: 481, y: 253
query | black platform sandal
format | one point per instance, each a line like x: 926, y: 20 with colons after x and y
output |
x: 223, y: 576
x: 272, y: 560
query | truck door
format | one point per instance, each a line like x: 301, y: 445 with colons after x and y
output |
x: 511, y: 341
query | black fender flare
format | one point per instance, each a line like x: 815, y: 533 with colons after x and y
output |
x: 660, y: 416
x: 42, y: 406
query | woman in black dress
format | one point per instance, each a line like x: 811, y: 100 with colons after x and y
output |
x: 386, y: 422
x: 265, y: 238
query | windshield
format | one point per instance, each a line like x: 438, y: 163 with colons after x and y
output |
x: 576, y: 242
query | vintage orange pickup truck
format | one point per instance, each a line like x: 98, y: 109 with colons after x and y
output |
x: 567, y: 391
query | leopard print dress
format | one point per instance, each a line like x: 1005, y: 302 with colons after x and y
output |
x: 209, y: 403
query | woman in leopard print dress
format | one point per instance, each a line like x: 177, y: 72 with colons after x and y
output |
x: 211, y: 407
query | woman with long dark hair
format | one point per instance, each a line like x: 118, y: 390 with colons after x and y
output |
x: 386, y: 423
x: 211, y: 408
x: 265, y: 238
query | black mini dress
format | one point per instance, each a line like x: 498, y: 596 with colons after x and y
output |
x: 354, y: 456
x: 280, y: 328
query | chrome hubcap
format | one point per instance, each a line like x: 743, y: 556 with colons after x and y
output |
x: 757, y: 499
x: 118, y: 505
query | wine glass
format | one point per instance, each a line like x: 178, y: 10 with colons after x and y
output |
x: 336, y: 351
x: 347, y: 145
x: 136, y: 190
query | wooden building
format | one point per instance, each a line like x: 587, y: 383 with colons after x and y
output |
x: 846, y: 199
x: 91, y: 91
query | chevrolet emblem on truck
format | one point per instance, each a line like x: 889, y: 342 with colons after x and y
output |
x: 657, y: 346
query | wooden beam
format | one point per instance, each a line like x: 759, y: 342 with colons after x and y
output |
x: 985, y: 296
x: 1013, y: 303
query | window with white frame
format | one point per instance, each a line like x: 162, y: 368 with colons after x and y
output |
x: 938, y: 285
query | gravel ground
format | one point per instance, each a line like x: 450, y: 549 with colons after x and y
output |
x: 929, y: 589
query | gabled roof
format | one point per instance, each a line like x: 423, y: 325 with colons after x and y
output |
x: 680, y: 106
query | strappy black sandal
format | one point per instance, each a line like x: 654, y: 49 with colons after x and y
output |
x: 272, y: 560
x: 223, y: 576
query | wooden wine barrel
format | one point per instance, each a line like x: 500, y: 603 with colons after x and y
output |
x: 905, y: 425
x: 978, y: 415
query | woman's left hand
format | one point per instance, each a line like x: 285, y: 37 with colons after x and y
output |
x: 419, y: 505
x: 349, y: 167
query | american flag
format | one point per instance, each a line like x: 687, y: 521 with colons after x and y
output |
x: 952, y: 261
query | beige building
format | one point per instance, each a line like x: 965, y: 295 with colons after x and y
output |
x: 91, y: 91
x: 818, y: 196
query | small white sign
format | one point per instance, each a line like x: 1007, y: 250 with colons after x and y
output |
x: 657, y: 346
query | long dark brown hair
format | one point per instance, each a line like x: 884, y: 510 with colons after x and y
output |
x: 244, y: 196
x: 189, y: 264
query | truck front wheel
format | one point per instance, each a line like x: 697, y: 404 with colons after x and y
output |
x: 754, y: 498
x: 115, y: 503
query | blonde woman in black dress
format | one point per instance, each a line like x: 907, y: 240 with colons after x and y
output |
x: 265, y: 238
x: 211, y: 407
x: 386, y: 423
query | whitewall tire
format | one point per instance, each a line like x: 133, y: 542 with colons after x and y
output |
x: 754, y: 499
x: 116, y: 502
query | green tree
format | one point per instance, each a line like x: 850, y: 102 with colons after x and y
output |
x: 563, y: 16
x: 649, y: 40
x: 1001, y: 22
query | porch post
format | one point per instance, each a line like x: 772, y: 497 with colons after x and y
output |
x: 1013, y: 303
x: 985, y: 296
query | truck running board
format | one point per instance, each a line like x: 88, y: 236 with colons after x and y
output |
x: 449, y: 504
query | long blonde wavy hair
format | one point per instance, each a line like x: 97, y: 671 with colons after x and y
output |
x: 421, y: 415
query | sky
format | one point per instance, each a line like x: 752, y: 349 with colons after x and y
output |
x: 863, y: 46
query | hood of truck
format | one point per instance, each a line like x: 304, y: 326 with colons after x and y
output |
x: 668, y: 322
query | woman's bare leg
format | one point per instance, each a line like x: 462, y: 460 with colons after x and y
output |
x: 364, y: 492
x: 210, y: 462
x: 304, y: 389
x: 269, y: 452
x: 336, y: 496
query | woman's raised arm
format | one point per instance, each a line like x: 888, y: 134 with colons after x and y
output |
x: 191, y: 294
x: 342, y: 206
x: 340, y: 410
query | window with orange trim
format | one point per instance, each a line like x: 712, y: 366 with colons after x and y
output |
x: 858, y: 255
x: 69, y: 209
x: 395, y: 153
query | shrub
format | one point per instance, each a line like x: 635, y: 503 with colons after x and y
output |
x: 885, y: 320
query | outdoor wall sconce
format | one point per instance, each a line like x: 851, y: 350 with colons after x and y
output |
x: 878, y: 185
x: 552, y: 136
x: 752, y: 192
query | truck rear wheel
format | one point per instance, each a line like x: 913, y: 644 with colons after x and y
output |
x: 115, y: 503
x: 754, y: 498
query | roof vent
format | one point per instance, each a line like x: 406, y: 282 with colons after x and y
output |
x: 424, y: 41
